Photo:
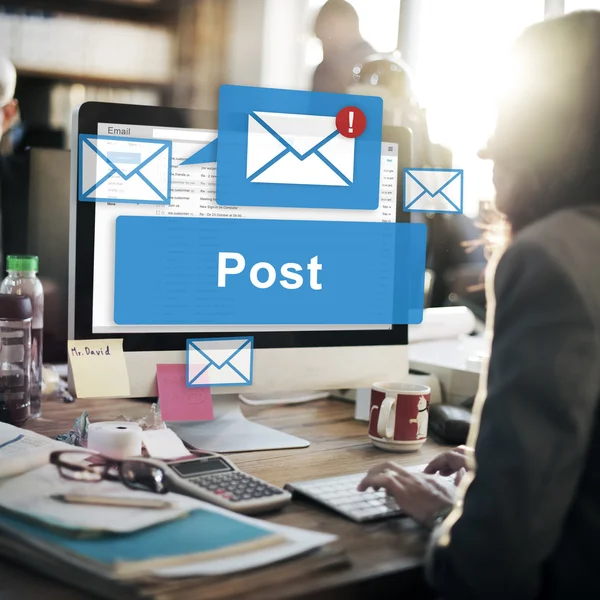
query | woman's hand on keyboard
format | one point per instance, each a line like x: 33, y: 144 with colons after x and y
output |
x: 450, y: 462
x: 419, y: 495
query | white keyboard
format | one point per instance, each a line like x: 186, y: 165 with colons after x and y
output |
x: 340, y: 494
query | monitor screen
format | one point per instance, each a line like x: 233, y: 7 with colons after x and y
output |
x: 193, y: 191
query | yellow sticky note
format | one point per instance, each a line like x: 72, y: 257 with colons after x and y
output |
x: 99, y: 369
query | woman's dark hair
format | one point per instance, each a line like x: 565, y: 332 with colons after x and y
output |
x: 547, y: 138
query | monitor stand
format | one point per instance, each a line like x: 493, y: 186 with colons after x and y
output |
x: 283, y: 398
x: 231, y: 431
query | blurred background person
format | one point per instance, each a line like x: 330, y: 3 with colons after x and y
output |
x: 337, y: 27
x: 453, y: 271
x: 9, y: 115
x: 9, y: 107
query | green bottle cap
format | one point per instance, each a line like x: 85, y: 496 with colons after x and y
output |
x: 21, y: 263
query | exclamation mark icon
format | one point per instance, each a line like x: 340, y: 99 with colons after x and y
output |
x: 350, y: 122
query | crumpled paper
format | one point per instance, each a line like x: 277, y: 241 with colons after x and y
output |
x: 77, y: 436
x: 151, y: 420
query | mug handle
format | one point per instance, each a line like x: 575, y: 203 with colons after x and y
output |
x: 385, y: 429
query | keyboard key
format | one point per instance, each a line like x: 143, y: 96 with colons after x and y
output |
x: 373, y: 512
x: 374, y: 502
x: 352, y: 505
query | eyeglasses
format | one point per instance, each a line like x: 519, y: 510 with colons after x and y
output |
x: 135, y: 473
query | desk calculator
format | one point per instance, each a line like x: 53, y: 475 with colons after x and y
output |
x: 215, y: 479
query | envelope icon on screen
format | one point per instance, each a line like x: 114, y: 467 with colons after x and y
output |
x: 298, y: 149
x: 433, y: 190
x: 219, y: 361
x: 123, y: 169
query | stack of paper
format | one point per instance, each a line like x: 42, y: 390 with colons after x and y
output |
x: 101, y: 547
x: 203, y: 535
x: 30, y: 494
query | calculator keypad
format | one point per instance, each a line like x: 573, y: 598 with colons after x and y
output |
x: 236, y: 486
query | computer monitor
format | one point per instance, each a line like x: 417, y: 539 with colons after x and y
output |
x: 286, y: 358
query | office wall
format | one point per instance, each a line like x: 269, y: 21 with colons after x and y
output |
x: 267, y: 43
x: 285, y: 28
x: 244, y: 43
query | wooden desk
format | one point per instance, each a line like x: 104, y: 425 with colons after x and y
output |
x: 381, y: 556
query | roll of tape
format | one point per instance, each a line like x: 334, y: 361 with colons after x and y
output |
x: 115, y: 439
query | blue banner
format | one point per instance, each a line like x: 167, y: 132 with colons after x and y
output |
x: 189, y: 271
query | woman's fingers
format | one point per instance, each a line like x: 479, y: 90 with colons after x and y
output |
x: 459, y: 475
x: 389, y: 481
x: 420, y: 496
x: 387, y: 467
x: 441, y: 486
x: 447, y: 463
x: 383, y: 467
x: 440, y: 463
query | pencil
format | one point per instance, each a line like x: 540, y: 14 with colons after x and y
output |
x: 110, y: 501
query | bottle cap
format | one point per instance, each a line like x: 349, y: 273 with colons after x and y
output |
x: 22, y: 262
x: 15, y: 308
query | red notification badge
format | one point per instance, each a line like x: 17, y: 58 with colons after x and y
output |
x: 351, y: 122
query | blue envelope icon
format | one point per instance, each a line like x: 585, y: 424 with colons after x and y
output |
x: 123, y: 169
x: 219, y: 361
x: 282, y: 148
x: 433, y: 190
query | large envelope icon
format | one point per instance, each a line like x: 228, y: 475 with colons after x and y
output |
x: 298, y: 149
x: 433, y: 190
x: 219, y: 361
x: 121, y: 169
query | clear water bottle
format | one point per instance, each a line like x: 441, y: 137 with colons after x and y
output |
x: 15, y: 358
x: 22, y: 280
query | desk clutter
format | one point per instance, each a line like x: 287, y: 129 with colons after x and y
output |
x: 56, y: 530
x: 112, y: 504
x: 90, y: 518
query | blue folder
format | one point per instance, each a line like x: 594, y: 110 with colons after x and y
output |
x: 202, y: 531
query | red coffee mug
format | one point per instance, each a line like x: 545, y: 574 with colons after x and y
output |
x: 399, y: 416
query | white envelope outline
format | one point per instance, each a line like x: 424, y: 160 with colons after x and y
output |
x: 433, y: 190
x: 298, y: 149
x: 219, y: 361
x: 141, y: 183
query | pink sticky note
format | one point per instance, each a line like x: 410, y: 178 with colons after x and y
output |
x: 178, y: 402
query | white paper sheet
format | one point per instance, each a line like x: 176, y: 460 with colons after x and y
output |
x: 22, y: 450
x: 164, y: 444
x: 30, y: 494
